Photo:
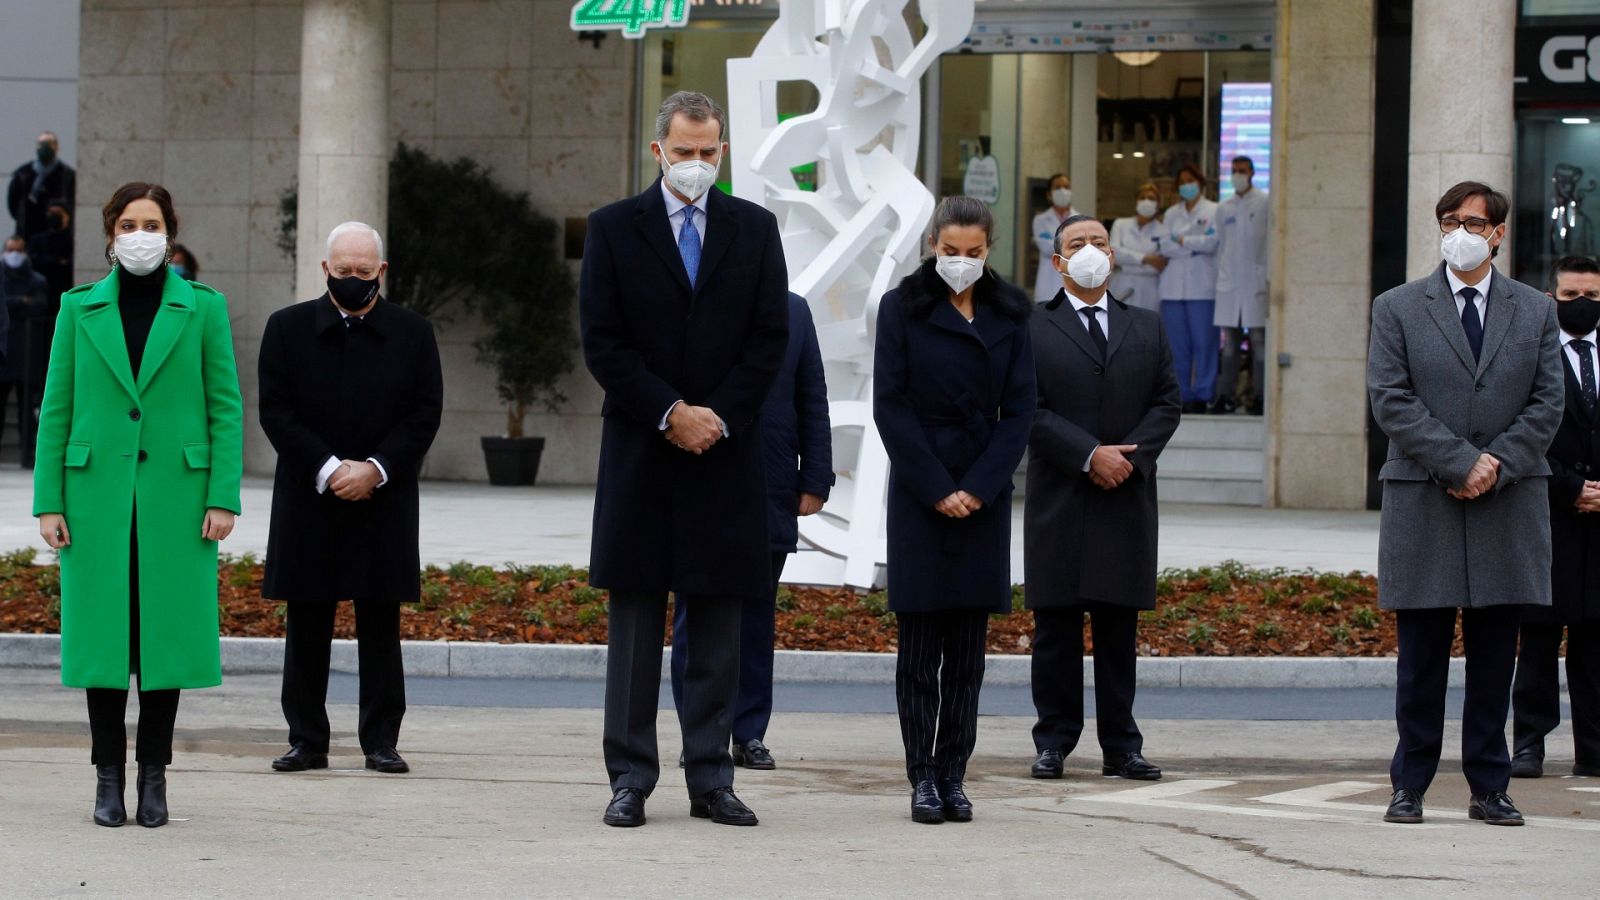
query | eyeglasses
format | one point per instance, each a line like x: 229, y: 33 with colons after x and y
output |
x: 1473, y: 224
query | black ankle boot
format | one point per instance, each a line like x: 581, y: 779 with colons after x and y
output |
x: 152, y: 796
x: 109, y: 784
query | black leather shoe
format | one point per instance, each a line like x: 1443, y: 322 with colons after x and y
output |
x: 1495, y: 808
x: 753, y: 755
x: 1050, y: 763
x: 1527, y: 763
x: 957, y: 808
x: 110, y: 781
x: 1405, y: 807
x: 387, y: 761
x: 626, y: 809
x: 299, y: 759
x: 152, y: 790
x: 1130, y: 765
x: 926, y: 806
x: 722, y: 807
x: 1583, y: 771
x: 1221, y: 407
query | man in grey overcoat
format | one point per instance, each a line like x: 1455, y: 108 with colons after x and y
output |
x: 1464, y: 374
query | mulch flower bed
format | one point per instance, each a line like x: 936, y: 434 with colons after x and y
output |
x: 1224, y: 610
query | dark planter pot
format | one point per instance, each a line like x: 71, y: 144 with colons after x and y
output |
x: 512, y: 461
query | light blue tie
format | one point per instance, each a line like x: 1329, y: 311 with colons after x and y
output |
x: 689, y: 245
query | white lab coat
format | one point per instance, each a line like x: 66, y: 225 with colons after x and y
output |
x: 1191, y: 272
x: 1047, y: 280
x: 1136, y: 283
x: 1242, y: 260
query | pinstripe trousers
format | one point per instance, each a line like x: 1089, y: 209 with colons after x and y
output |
x: 938, y: 673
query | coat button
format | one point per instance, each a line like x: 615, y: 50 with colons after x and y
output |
x: 133, y: 414
x: 1098, y: 370
x: 1478, y: 387
x: 1477, y: 435
x: 143, y: 456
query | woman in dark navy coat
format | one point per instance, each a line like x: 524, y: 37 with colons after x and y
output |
x: 953, y: 401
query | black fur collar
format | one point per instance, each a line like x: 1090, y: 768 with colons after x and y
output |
x: 923, y: 288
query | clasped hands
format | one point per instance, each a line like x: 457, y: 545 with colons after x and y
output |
x: 693, y: 428
x: 1481, y: 480
x: 355, y: 479
x: 1109, y: 465
x: 1589, y: 497
x: 959, y: 505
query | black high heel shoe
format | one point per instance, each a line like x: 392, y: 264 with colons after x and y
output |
x: 152, y: 788
x: 109, y: 784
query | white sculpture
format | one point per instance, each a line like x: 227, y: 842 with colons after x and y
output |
x: 855, y: 236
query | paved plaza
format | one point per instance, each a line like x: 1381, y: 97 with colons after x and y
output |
x: 491, y: 525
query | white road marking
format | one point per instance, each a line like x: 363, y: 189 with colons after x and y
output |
x: 1323, y: 797
x: 1162, y: 796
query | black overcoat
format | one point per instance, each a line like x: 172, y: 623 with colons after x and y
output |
x: 370, y: 390
x: 796, y: 430
x: 1082, y: 543
x: 952, y: 401
x: 664, y: 518
x: 1574, y: 458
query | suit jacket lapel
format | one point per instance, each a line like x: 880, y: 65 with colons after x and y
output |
x: 103, y: 325
x: 1066, y: 318
x: 650, y: 217
x: 719, y: 234
x: 1441, y: 304
x: 1499, y: 312
x: 177, y: 302
x: 1118, y: 320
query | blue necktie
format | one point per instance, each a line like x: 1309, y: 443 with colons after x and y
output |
x: 1470, y: 323
x: 689, y: 245
x: 1586, y: 368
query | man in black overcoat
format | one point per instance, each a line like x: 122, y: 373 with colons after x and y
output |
x: 40, y: 183
x: 1574, y: 485
x: 351, y: 394
x: 685, y: 321
x: 1108, y: 404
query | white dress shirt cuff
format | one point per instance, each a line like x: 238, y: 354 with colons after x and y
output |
x: 1090, y: 458
x: 326, y: 472
x: 383, y: 474
x: 667, y: 415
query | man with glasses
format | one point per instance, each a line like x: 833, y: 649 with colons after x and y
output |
x: 1464, y: 376
x: 1574, y: 460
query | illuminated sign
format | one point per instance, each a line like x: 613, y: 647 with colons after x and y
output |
x: 1246, y: 131
x: 631, y: 17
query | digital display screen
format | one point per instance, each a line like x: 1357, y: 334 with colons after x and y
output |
x: 1246, y: 131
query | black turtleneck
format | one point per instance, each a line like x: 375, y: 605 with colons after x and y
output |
x: 138, y: 298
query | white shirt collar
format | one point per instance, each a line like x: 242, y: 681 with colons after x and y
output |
x: 675, y: 206
x: 1567, y: 338
x: 1456, y: 284
x: 1079, y: 306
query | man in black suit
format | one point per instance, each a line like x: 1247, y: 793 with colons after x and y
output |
x: 351, y: 395
x: 40, y: 183
x: 1108, y: 404
x: 685, y: 322
x: 1575, y: 549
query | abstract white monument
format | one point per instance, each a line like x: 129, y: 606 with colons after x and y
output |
x: 854, y: 237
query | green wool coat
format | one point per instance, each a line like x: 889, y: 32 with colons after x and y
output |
x: 170, y: 442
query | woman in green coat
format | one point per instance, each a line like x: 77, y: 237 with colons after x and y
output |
x: 137, y: 479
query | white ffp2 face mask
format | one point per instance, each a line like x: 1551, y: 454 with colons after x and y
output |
x: 1463, y: 250
x: 1061, y: 197
x: 1241, y: 183
x: 1089, y: 267
x: 692, y: 178
x: 959, y: 272
x: 1146, y: 208
x: 140, y: 252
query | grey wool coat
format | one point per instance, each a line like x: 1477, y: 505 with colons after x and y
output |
x: 1440, y: 410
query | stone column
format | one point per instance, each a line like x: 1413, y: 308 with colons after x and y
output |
x: 1461, y: 114
x: 1085, y: 157
x: 344, y: 126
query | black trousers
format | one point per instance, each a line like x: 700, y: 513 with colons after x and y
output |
x: 636, y: 632
x: 25, y: 400
x: 108, y: 707
x: 938, y: 674
x: 1536, y: 693
x: 1490, y: 635
x: 752, y: 711
x: 1058, y: 677
x: 307, y: 649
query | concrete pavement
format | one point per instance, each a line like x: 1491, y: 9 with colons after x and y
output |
x: 550, y: 525
x: 506, y: 802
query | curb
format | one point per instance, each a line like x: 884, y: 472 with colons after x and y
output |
x: 579, y: 662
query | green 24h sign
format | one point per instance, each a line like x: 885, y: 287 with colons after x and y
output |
x: 632, y: 17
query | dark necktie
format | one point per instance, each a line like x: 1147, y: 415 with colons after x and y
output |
x: 1470, y: 323
x: 1095, y: 332
x: 1586, y: 368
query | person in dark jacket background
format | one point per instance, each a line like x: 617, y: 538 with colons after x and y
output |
x: 38, y: 184
x: 51, y: 252
x: 797, y: 443
x: 953, y: 399
x: 23, y: 349
x: 1574, y: 483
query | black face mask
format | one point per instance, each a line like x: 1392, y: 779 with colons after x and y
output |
x: 1578, y: 316
x: 46, y: 154
x: 352, y: 293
